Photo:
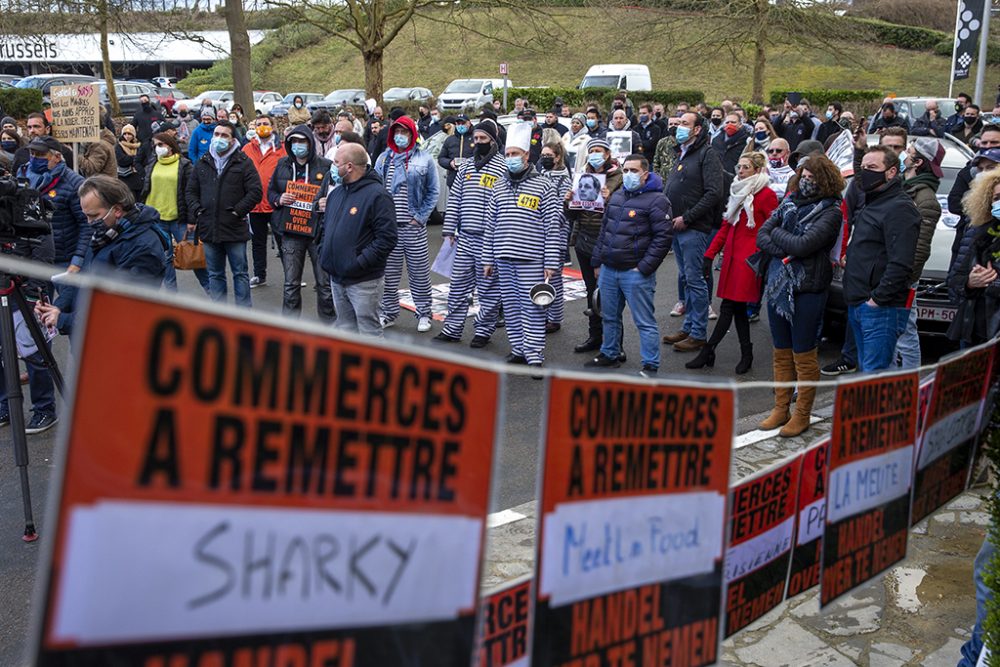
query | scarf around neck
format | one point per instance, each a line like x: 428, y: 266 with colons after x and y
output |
x: 741, y: 195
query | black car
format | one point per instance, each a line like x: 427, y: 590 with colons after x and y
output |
x: 128, y: 93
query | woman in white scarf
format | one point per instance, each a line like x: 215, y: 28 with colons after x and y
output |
x: 751, y: 202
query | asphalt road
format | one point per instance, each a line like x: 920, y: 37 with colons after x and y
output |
x: 517, y: 470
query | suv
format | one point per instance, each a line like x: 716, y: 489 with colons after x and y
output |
x: 913, y: 108
x: 44, y: 82
x: 468, y: 94
x: 934, y: 309
x: 128, y: 93
x: 337, y: 99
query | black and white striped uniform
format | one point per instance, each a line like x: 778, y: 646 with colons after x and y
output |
x: 563, y: 182
x: 522, y: 239
x: 465, y: 219
x: 411, y: 244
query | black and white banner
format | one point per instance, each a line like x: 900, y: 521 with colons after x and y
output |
x: 968, y: 23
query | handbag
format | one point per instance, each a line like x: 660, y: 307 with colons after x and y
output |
x: 189, y: 255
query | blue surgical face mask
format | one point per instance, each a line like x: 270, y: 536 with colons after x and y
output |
x: 902, y: 162
x: 760, y: 136
x: 643, y: 118
x: 631, y: 181
x: 220, y: 145
x: 335, y: 175
x: 995, y: 210
x: 515, y: 165
x: 596, y: 160
x: 401, y: 140
x: 683, y: 134
x: 591, y: 123
x: 461, y: 129
x: 336, y: 138
x: 300, y: 150
x: 39, y: 165
x: 829, y: 115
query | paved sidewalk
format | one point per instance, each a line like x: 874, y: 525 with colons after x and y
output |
x: 919, y: 613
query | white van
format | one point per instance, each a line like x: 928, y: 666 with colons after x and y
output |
x: 628, y: 77
x: 463, y: 95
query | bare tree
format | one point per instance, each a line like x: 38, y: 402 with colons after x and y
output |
x: 239, y: 54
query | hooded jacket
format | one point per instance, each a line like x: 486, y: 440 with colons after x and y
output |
x: 70, y: 231
x: 316, y: 170
x: 695, y: 185
x: 99, y: 157
x: 636, y: 232
x: 265, y: 164
x: 416, y: 167
x: 359, y: 231
x: 219, y: 203
x: 200, y: 142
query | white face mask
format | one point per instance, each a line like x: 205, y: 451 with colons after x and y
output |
x: 162, y: 151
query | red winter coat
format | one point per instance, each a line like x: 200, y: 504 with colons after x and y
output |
x: 737, y: 280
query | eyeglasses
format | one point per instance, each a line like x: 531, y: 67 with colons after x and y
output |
x: 775, y: 151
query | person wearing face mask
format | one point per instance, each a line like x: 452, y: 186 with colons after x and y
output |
x: 241, y: 129
x: 831, y: 124
x: 411, y: 178
x: 922, y: 177
x: 729, y: 144
x: 972, y: 125
x: 795, y: 128
x: 955, y: 121
x: 886, y: 118
x: 763, y: 135
x: 265, y: 151
x: 429, y: 123
x: 779, y: 172
x: 552, y: 165
x: 666, y: 150
x: 301, y: 165
x: 989, y: 141
x: 341, y: 127
x: 648, y: 130
x: 465, y: 227
x: 457, y: 149
x: 620, y: 123
x: 187, y: 123
x: 522, y: 244
x: 586, y: 227
x: 130, y: 167
x: 634, y: 239
x: 10, y: 142
x: 298, y: 114
x: 717, y: 115
x: 144, y: 118
x: 99, y: 157
x: 595, y: 127
x: 322, y: 129
x: 880, y: 260
x: 164, y: 189
x: 931, y: 123
x: 223, y: 189
x: 201, y: 138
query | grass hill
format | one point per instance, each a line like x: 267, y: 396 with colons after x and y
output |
x: 431, y: 54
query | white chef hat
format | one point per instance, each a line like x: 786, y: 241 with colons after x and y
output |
x: 519, y: 136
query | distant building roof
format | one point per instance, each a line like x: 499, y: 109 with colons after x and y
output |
x: 143, y: 47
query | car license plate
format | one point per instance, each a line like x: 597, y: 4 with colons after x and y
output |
x: 936, y: 314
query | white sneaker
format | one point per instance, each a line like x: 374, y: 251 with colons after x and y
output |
x: 424, y: 324
x: 678, y: 309
x: 712, y: 315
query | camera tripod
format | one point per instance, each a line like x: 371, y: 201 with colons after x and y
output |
x: 10, y: 290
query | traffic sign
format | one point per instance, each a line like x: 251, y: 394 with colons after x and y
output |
x: 503, y: 68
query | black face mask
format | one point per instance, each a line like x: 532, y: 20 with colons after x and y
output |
x: 970, y: 120
x: 871, y: 180
x: 672, y: 130
x: 482, y: 150
x: 146, y: 106
x: 717, y: 122
x: 547, y: 162
x: 184, y: 114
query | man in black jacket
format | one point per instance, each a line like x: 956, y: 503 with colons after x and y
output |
x: 456, y: 149
x: 880, y: 260
x: 224, y: 189
x: 729, y: 144
x: 144, y: 118
x: 695, y: 192
x: 359, y: 233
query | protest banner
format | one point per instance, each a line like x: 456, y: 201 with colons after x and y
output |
x: 503, y: 638
x: 234, y: 491
x: 950, y: 430
x: 761, y: 530
x: 924, y: 402
x: 76, y: 113
x: 620, y: 143
x: 870, y: 476
x: 807, y: 554
x: 632, y: 523
x: 587, y: 192
x: 992, y: 390
x: 301, y: 218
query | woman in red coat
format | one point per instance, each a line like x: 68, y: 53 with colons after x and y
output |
x: 751, y: 203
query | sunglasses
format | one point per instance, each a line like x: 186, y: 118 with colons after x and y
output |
x: 775, y: 151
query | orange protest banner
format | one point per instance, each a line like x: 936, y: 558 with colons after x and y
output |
x: 234, y: 490
x: 301, y: 218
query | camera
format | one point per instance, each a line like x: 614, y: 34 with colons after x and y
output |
x: 24, y: 213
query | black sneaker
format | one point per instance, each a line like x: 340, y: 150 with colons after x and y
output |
x: 648, y: 372
x: 39, y: 423
x: 479, y: 341
x: 4, y: 417
x: 537, y: 368
x: 257, y: 281
x: 839, y: 367
x: 445, y: 338
x: 602, y: 361
x: 516, y: 359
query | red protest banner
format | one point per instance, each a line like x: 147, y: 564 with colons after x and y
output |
x: 503, y: 639
x: 265, y: 496
x: 632, y: 521
x: 950, y: 431
x: 301, y: 214
x: 807, y: 554
x: 762, y: 527
x: 870, y: 475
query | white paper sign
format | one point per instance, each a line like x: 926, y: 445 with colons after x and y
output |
x: 861, y: 485
x: 587, y: 192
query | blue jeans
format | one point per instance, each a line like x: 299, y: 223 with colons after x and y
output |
x: 357, y: 306
x: 849, y: 352
x: 177, y: 230
x: 972, y: 648
x: 908, y: 345
x: 40, y: 385
x: 631, y: 287
x: 803, y: 332
x: 876, y: 330
x: 680, y: 274
x: 692, y: 246
x: 216, y: 255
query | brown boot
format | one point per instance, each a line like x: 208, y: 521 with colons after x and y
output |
x: 807, y: 368
x: 784, y: 371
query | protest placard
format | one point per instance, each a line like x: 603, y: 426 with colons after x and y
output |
x: 76, y: 113
x: 503, y: 638
x: 870, y: 476
x: 264, y: 492
x: 807, y: 554
x: 620, y: 143
x: 301, y: 215
x: 587, y: 192
x: 950, y: 430
x: 761, y: 532
x: 633, y: 506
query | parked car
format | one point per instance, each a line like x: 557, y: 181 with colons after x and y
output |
x: 407, y: 95
x: 44, y: 82
x: 218, y: 97
x: 10, y: 78
x: 934, y: 310
x: 281, y: 108
x: 468, y: 94
x: 628, y: 77
x: 164, y: 81
x: 128, y: 93
x: 168, y: 97
x: 263, y: 100
x: 339, y: 98
x: 913, y: 108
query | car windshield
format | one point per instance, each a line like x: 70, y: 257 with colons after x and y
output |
x: 31, y: 82
x: 339, y: 95
x: 257, y: 96
x: 397, y: 92
x: 290, y: 98
x: 604, y: 81
x: 464, y: 86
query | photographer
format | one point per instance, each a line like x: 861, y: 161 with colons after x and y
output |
x: 126, y: 242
